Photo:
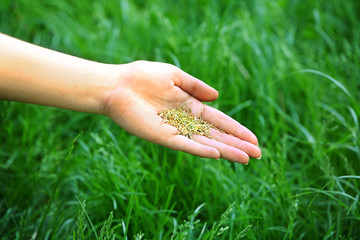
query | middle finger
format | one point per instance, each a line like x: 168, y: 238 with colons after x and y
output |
x: 227, y: 152
x: 251, y: 149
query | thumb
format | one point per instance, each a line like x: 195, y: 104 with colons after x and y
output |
x: 195, y: 87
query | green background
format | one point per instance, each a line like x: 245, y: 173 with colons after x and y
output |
x: 289, y: 70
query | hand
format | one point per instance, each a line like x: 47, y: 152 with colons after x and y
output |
x: 144, y: 88
x: 131, y: 94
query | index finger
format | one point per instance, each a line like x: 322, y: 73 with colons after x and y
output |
x: 195, y: 87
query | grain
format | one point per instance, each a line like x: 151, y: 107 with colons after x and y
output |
x: 186, y: 123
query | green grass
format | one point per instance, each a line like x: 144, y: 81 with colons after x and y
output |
x: 287, y: 69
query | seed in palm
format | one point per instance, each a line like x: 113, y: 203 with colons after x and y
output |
x: 186, y: 123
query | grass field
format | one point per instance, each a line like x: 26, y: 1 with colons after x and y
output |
x: 287, y: 69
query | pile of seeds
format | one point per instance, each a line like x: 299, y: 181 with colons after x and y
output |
x: 186, y: 123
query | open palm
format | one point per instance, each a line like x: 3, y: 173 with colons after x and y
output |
x: 145, y: 88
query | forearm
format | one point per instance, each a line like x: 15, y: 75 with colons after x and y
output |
x: 29, y: 73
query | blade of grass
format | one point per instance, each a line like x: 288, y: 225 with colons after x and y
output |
x: 88, y: 218
x: 336, y: 82
x: 59, y: 179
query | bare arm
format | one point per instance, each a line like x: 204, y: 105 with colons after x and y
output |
x: 29, y: 73
x: 130, y: 94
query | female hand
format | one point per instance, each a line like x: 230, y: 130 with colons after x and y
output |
x: 144, y: 88
x: 131, y: 94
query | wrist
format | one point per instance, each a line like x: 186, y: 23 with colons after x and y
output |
x: 113, y: 80
x: 98, y: 81
x: 120, y: 77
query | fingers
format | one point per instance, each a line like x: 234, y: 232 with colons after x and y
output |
x: 182, y: 143
x: 223, y: 145
x: 229, y: 125
x: 195, y: 87
x: 249, y: 148
x: 222, y: 121
x: 227, y: 152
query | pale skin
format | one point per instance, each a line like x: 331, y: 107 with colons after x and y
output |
x: 130, y: 94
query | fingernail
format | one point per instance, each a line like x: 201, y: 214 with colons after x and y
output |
x: 260, y: 157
